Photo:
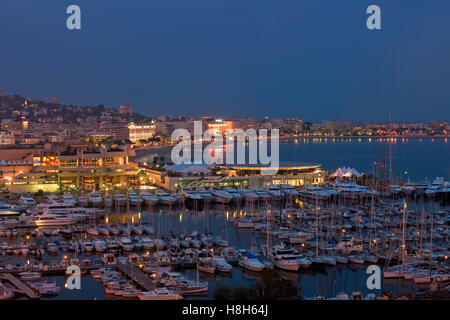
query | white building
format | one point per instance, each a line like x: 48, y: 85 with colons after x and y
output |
x: 139, y: 132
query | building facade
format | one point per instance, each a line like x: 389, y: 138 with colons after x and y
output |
x: 141, y: 132
x: 100, y: 169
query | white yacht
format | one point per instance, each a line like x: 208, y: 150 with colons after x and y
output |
x: 61, y: 208
x: 149, y: 198
x: 27, y: 200
x: 206, y: 266
x: 68, y: 198
x: 275, y: 192
x: 11, y: 207
x: 314, y: 192
x: 120, y: 199
x: 92, y: 231
x: 249, y: 195
x: 100, y: 245
x: 51, y: 219
x: 108, y: 200
x: 126, y: 244
x: 246, y: 223
x: 160, y: 294
x: 221, y: 264
x: 83, y: 200
x: 165, y: 198
x: 221, y: 196
x: 285, y: 259
x: 94, y: 198
x: 289, y: 190
x: 250, y: 262
x: 262, y: 194
x: 147, y: 243
x: 53, y: 198
x: 436, y: 187
x: 134, y: 199
x: 231, y: 255
x: 300, y: 237
x: 207, y: 196
x: 237, y: 197
x: 192, y: 196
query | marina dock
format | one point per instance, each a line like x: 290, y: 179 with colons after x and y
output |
x: 137, y: 276
x: 49, y: 271
x: 20, y: 286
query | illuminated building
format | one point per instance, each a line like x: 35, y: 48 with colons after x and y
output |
x: 6, y: 138
x: 79, y: 169
x: 249, y: 176
x: 139, y: 132
x: 220, y: 126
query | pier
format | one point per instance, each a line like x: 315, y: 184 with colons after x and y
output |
x: 48, y: 271
x: 137, y: 276
x: 21, y: 287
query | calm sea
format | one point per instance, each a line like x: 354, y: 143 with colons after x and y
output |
x: 413, y: 159
x: 417, y: 160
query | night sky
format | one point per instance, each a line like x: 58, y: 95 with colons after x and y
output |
x: 313, y: 59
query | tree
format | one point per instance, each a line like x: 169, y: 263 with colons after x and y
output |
x: 39, y: 193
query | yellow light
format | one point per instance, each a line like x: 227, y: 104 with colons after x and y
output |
x: 445, y: 257
x: 343, y: 230
x: 65, y: 285
x: 303, y: 244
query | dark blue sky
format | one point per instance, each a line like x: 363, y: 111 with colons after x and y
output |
x: 313, y: 59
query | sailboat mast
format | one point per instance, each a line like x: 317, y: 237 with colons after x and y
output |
x: 317, y: 228
x: 431, y: 243
x: 390, y: 150
x: 403, y: 234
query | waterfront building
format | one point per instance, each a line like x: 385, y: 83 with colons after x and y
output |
x: 438, y: 125
x: 97, y: 169
x: 220, y: 126
x: 6, y: 138
x: 116, y: 131
x: 173, y: 178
